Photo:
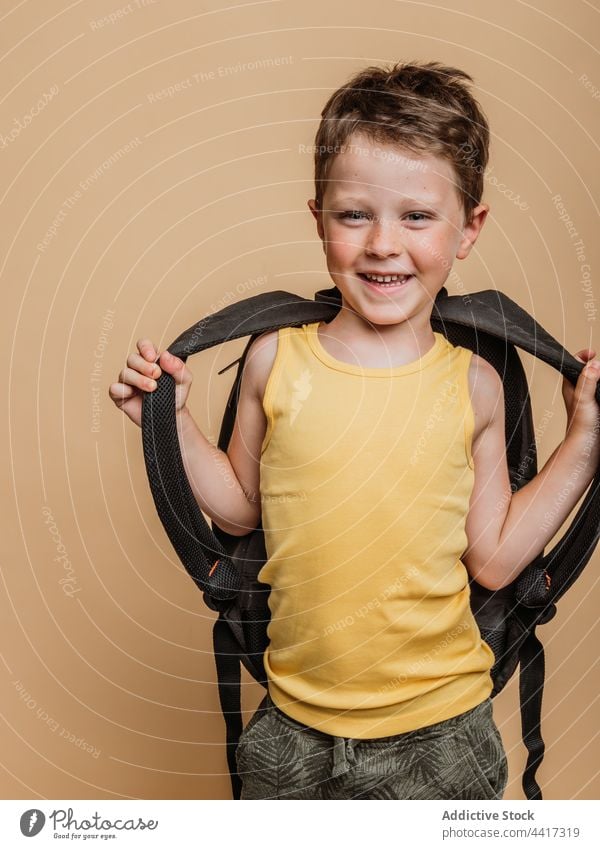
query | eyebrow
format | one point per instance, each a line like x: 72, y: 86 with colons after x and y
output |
x: 430, y: 200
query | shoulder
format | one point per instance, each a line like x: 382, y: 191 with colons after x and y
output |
x: 486, y: 391
x: 259, y: 361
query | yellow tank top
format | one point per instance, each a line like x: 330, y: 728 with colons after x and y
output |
x: 365, y: 479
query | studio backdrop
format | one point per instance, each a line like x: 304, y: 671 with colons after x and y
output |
x: 155, y: 165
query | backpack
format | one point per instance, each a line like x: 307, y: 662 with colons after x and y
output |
x: 225, y: 567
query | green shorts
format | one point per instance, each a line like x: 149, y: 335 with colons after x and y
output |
x: 460, y: 758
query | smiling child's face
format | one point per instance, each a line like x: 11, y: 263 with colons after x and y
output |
x: 388, y: 212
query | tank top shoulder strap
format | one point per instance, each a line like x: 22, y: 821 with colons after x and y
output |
x: 463, y: 366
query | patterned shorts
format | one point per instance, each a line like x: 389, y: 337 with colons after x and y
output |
x: 460, y: 758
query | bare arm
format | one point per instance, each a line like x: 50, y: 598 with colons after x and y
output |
x: 507, y: 530
x: 227, y: 485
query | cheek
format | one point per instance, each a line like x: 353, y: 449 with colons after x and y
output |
x: 342, y: 245
x: 433, y: 251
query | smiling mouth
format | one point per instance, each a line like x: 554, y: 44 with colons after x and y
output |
x: 386, y: 280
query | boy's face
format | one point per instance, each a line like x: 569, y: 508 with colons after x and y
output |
x: 386, y: 212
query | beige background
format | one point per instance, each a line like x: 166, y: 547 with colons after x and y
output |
x: 192, y: 199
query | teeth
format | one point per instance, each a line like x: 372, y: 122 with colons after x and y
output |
x: 392, y: 278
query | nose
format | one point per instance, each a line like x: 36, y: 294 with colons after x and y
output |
x: 384, y: 239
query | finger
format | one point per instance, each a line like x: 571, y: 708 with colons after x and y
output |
x: 120, y: 391
x: 134, y: 378
x: 147, y: 349
x: 137, y: 362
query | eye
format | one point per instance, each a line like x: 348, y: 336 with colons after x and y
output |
x: 422, y: 216
x: 353, y: 214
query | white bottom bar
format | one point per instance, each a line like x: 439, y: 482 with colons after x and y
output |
x: 170, y: 823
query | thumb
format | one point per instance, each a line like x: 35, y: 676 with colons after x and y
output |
x: 590, y: 374
x: 173, y: 366
x: 586, y: 355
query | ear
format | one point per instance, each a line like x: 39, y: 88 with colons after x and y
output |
x: 318, y: 214
x: 471, y: 231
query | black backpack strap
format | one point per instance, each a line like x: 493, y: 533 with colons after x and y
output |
x: 496, y: 314
x: 227, y: 660
x: 257, y: 314
x: 202, y: 554
x: 531, y: 688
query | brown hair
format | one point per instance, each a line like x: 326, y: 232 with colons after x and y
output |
x: 425, y: 108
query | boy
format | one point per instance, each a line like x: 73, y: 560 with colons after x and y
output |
x: 373, y: 450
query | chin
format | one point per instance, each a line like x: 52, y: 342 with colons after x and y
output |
x: 376, y: 315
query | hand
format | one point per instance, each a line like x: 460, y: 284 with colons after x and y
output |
x: 583, y: 412
x: 141, y: 374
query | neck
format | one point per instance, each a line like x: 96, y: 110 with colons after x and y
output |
x: 377, y: 344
